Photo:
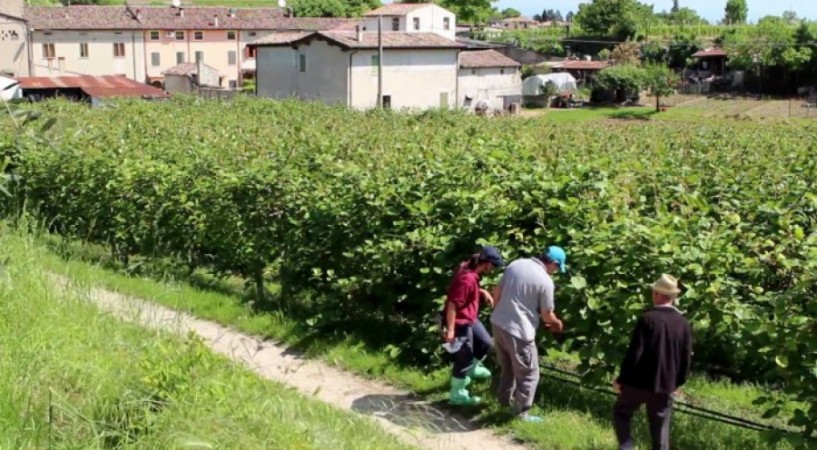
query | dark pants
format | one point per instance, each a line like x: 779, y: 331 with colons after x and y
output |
x: 659, y: 409
x: 477, y: 344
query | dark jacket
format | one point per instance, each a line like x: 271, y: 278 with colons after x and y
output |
x: 660, y: 352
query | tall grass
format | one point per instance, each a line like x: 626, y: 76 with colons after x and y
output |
x: 72, y: 377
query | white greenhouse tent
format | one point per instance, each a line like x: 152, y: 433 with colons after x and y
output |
x: 532, y: 86
x: 9, y: 88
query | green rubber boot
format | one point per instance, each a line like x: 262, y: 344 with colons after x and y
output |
x: 478, y: 371
x: 459, y: 394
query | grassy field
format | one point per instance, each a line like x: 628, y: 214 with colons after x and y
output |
x: 575, y: 419
x: 73, y: 378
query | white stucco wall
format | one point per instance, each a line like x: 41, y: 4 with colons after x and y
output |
x: 325, y: 79
x: 100, y: 60
x: 432, y: 20
x: 178, y: 84
x: 413, y: 78
x: 13, y: 47
x: 489, y: 84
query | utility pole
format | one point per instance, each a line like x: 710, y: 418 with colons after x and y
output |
x: 379, y: 61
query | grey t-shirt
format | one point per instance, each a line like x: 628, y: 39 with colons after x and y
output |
x: 527, y: 289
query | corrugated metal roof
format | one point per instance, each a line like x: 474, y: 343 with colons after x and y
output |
x: 709, y: 52
x: 95, y: 86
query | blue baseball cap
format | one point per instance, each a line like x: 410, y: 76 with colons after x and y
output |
x: 557, y: 255
x: 491, y: 254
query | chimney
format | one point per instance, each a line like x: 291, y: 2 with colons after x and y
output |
x: 232, y: 12
x: 359, y: 33
x: 138, y: 14
x: 215, y: 21
x: 181, y: 12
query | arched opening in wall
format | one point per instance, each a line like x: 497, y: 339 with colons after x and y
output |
x: 158, y: 84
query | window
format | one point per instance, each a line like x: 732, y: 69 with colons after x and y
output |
x: 155, y: 59
x: 118, y: 50
x: 502, y: 71
x: 199, y: 56
x: 395, y: 24
x: 253, y: 34
x: 180, y: 35
x: 231, y: 35
x: 416, y: 23
x: 179, y: 57
x: 48, y: 51
x: 249, y: 52
x: 83, y: 50
x: 198, y: 35
x: 302, y: 63
x: 232, y: 58
x: 446, y: 23
x: 387, y: 101
x: 375, y: 63
x: 154, y: 35
x: 233, y: 84
x: 443, y: 99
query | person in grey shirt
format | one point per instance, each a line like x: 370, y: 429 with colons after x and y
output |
x: 524, y: 296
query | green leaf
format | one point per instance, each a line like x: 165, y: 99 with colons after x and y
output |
x: 782, y: 361
x: 578, y: 282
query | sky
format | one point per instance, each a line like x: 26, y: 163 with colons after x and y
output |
x: 711, y: 10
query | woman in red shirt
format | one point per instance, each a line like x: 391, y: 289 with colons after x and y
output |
x: 465, y: 336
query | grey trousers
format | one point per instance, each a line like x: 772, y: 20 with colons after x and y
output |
x: 519, y: 365
x: 659, y: 410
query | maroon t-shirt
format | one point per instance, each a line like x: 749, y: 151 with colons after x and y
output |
x: 464, y: 294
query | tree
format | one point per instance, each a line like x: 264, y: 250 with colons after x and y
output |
x: 626, y: 53
x: 332, y: 8
x: 570, y: 16
x: 681, y: 48
x: 685, y: 16
x: 624, y: 81
x: 470, y: 11
x: 654, y: 52
x: 509, y: 13
x: 660, y: 81
x: 675, y: 7
x: 616, y: 18
x: 791, y: 17
x: 736, y: 12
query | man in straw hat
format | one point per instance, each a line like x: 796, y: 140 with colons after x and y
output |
x: 656, y: 365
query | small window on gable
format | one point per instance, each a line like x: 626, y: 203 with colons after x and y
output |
x: 395, y: 24
x: 83, y: 50
x: 253, y: 34
x: 416, y: 23
x: 231, y: 35
x: 198, y: 35
x: 118, y: 50
x: 180, y: 35
x: 446, y: 23
x: 502, y: 71
x: 154, y: 35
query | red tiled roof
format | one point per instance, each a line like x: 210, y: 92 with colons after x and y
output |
x: 102, y: 86
x: 187, y: 69
x: 485, y: 59
x: 709, y: 52
x: 346, y: 39
x: 85, y: 17
x: 396, y: 9
x: 582, y: 65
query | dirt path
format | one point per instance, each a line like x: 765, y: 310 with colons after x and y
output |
x: 415, y: 422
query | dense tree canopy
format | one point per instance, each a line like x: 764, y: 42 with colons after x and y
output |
x: 619, y: 18
x: 508, y: 13
x: 736, y: 12
x: 332, y: 8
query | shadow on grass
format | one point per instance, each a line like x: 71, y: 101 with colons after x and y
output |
x: 632, y: 115
x: 412, y: 411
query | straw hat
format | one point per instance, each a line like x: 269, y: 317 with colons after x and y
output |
x: 667, y: 285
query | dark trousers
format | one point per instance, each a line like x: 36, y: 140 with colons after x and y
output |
x: 477, y: 344
x: 659, y: 409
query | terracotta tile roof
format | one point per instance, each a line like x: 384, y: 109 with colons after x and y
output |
x: 101, y: 86
x: 396, y: 9
x: 87, y: 17
x: 346, y: 39
x: 709, y: 52
x: 582, y: 65
x: 485, y: 59
x: 186, y: 69
x: 282, y: 37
